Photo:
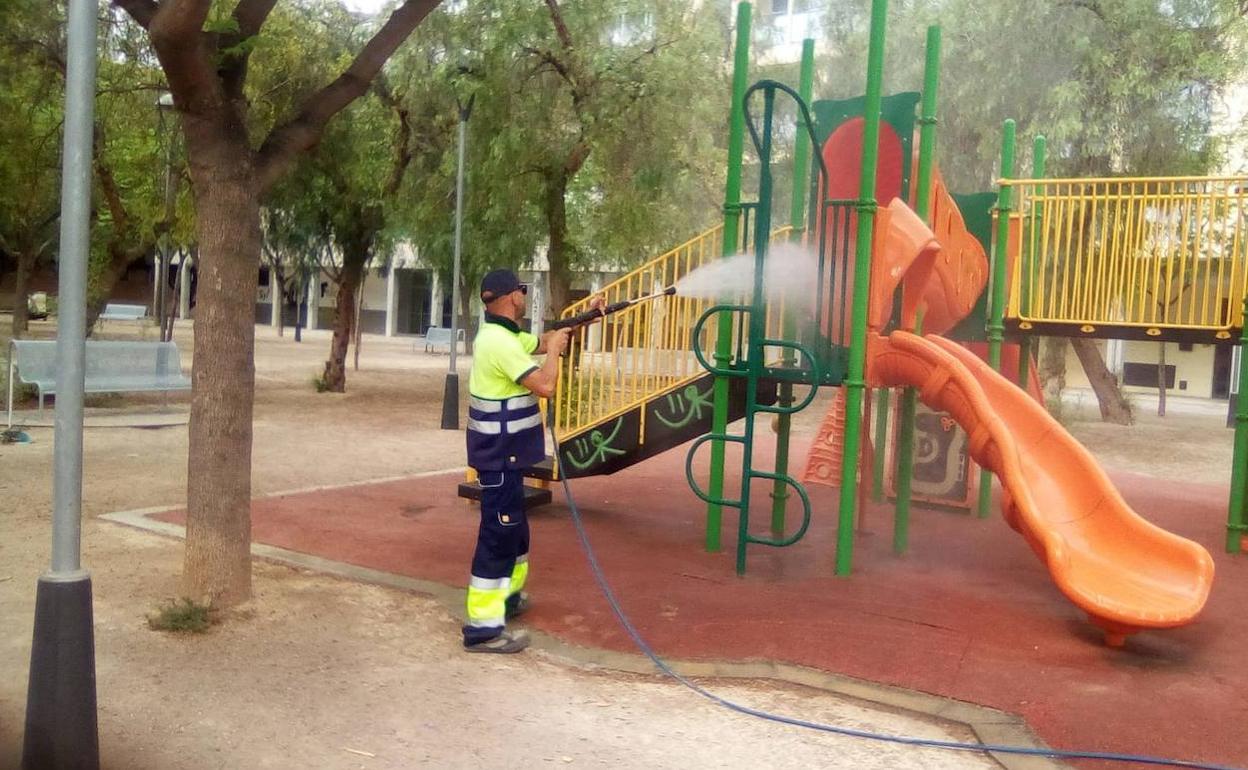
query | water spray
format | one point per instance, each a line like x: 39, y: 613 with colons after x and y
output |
x: 590, y: 316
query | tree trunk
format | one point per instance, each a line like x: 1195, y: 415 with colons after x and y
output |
x: 217, y: 565
x: 101, y: 285
x: 1161, y: 379
x: 335, y: 374
x: 1114, y: 406
x: 1052, y: 371
x: 466, y: 320
x: 558, y: 254
x: 359, y: 332
x: 21, y: 293
x: 278, y: 282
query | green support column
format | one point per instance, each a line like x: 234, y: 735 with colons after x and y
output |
x: 854, y: 381
x: 1236, y: 526
x: 732, y: 222
x: 882, y: 398
x: 1027, y: 264
x: 801, y: 164
x: 922, y: 207
x: 996, y: 307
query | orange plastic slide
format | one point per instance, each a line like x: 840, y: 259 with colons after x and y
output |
x: 1124, y: 572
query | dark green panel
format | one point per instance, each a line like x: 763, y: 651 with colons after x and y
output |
x: 976, y: 211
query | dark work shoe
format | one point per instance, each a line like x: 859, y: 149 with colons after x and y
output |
x: 504, y: 644
x: 517, y: 605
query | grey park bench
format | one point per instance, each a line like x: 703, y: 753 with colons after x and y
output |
x: 118, y: 312
x: 111, y: 367
x: 440, y: 337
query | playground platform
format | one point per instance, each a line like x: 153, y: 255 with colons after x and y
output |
x: 969, y: 613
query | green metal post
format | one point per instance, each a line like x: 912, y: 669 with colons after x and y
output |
x: 854, y: 381
x: 801, y: 164
x: 757, y: 324
x: 732, y: 221
x: 996, y: 308
x: 1027, y: 264
x: 882, y: 397
x: 1236, y: 526
x: 922, y: 207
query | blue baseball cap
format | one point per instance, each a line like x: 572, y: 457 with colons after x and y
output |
x: 499, y: 283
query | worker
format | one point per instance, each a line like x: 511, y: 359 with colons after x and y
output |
x: 505, y: 438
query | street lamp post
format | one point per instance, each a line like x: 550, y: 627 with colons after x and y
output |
x: 450, y: 393
x: 61, y: 714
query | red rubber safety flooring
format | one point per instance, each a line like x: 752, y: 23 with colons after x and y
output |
x: 967, y: 613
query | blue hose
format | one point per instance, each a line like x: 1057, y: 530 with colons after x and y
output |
x: 905, y: 740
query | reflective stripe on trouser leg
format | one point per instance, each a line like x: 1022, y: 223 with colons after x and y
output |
x: 519, y: 575
x: 502, y: 537
x: 487, y: 603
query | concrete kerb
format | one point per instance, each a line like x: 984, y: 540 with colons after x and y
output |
x: 989, y: 726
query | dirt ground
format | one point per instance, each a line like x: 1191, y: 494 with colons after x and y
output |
x: 322, y: 672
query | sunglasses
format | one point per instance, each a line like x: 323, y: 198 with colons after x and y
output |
x: 523, y: 289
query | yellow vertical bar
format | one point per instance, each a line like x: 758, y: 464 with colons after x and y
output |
x: 1059, y: 298
x: 1165, y: 205
x: 1222, y: 297
x: 1208, y: 316
x: 1138, y: 263
x: 1113, y: 289
x: 1040, y: 296
x: 1186, y: 306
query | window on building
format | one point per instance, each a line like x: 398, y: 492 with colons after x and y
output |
x: 1145, y: 375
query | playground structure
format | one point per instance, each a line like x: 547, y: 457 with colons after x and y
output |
x: 901, y: 262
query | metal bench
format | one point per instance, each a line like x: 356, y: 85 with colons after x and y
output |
x: 111, y: 367
x: 440, y: 337
x: 116, y: 312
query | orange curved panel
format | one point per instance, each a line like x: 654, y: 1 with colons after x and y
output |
x: 1124, y: 572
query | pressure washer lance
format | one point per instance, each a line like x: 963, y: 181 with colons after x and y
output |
x: 589, y: 316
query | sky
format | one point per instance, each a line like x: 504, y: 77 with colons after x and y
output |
x: 368, y: 6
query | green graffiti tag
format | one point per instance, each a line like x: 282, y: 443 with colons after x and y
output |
x: 690, y: 401
x: 595, y: 448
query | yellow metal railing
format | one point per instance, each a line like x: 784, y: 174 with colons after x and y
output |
x: 621, y: 361
x: 1157, y: 253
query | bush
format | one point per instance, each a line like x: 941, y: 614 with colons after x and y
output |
x: 182, y: 617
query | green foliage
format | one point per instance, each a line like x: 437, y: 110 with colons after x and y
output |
x: 644, y: 90
x: 182, y: 616
x: 1117, y: 86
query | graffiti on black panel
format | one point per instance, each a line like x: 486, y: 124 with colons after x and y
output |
x: 595, y: 447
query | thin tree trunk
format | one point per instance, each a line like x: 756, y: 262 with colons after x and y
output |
x: 166, y: 334
x: 466, y: 322
x: 217, y: 564
x: 359, y: 332
x: 1052, y: 371
x: 1161, y: 379
x: 21, y: 294
x: 279, y: 297
x: 1113, y: 404
x: 558, y: 254
x: 335, y: 374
